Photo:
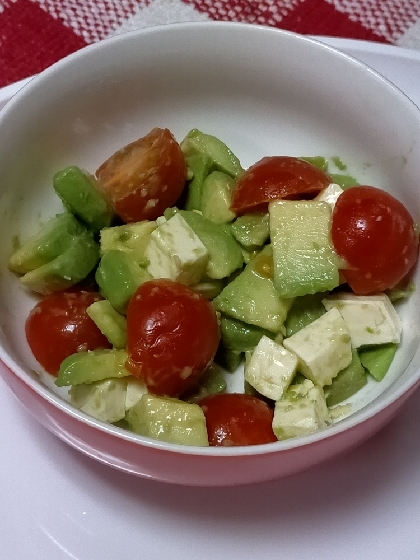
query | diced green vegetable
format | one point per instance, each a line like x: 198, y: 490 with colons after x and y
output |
x: 348, y: 381
x: 223, y: 159
x: 304, y: 259
x: 169, y: 420
x: 111, y: 323
x: 378, y: 359
x: 90, y: 366
x: 79, y: 192
x: 252, y: 298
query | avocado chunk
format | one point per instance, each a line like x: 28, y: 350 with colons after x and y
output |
x: 112, y: 324
x: 222, y: 158
x: 304, y: 259
x: 305, y: 310
x: 228, y: 359
x: 216, y: 197
x: 52, y: 239
x: 79, y: 192
x: 347, y: 382
x: 168, y: 419
x: 251, y: 230
x: 225, y: 255
x: 118, y: 277
x: 240, y: 336
x: 131, y: 238
x: 199, y: 165
x: 67, y: 269
x: 252, y: 298
x: 377, y: 359
x: 92, y: 365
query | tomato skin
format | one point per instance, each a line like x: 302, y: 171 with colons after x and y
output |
x: 276, y: 177
x: 237, y: 419
x: 375, y: 234
x: 59, y: 326
x: 172, y: 336
x: 145, y: 177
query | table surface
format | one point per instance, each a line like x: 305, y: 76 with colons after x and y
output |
x: 36, y: 33
x: 57, y: 504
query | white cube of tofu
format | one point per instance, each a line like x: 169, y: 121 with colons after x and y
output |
x: 104, y: 400
x: 176, y: 252
x: 323, y: 347
x: 135, y: 390
x: 301, y: 411
x: 369, y: 319
x: 271, y: 368
x: 330, y: 194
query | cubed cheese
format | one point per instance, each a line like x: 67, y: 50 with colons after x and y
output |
x: 175, y: 251
x: 330, y: 194
x: 271, y: 368
x: 302, y: 410
x: 105, y: 400
x: 369, y: 319
x: 323, y: 347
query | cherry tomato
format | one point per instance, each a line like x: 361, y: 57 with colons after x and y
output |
x: 145, y: 177
x: 237, y: 419
x: 374, y: 233
x: 59, y: 326
x: 276, y: 177
x: 172, y: 336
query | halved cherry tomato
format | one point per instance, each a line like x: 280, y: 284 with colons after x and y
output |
x: 59, y: 326
x: 374, y: 233
x: 172, y: 336
x: 276, y: 177
x: 237, y: 419
x: 145, y: 177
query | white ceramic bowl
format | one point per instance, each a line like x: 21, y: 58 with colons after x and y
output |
x: 263, y: 92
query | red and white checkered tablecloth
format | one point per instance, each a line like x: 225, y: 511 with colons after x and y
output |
x: 36, y: 33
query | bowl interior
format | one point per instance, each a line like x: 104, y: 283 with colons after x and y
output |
x: 261, y: 91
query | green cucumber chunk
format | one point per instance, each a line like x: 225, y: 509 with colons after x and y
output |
x: 168, y: 419
x: 377, y: 359
x: 91, y: 366
x: 118, y: 277
x: 304, y: 259
x: 112, y: 324
x: 52, y: 239
x: 216, y: 197
x: 252, y: 298
x: 347, y: 383
x: 80, y: 193
x: 66, y: 270
x: 222, y: 158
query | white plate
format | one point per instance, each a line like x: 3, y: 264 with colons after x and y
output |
x: 56, y: 503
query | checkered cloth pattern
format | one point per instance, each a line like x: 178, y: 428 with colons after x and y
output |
x: 36, y: 33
